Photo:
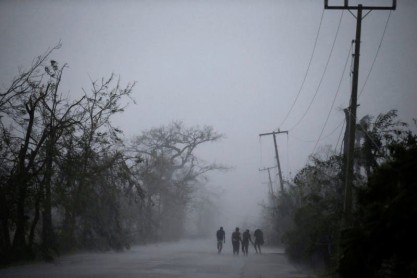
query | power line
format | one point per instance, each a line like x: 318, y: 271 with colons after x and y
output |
x: 341, y: 131
x: 322, y: 77
x: 260, y: 152
x: 376, y: 54
x: 325, y: 137
x: 340, y: 135
x: 349, y: 174
x: 367, y: 78
x: 308, y: 69
x: 334, y: 99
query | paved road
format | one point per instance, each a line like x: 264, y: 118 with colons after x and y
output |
x: 188, y: 258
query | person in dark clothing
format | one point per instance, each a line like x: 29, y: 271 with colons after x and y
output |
x: 236, y: 239
x: 245, y: 242
x: 259, y: 240
x: 221, y: 238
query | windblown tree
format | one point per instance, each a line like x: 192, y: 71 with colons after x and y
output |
x: 98, y: 171
x: 382, y: 243
x: 57, y: 117
x: 373, y: 138
x: 34, y: 116
x: 170, y: 173
x: 61, y: 162
x: 316, y: 200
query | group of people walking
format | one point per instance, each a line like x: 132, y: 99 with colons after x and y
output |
x: 238, y: 239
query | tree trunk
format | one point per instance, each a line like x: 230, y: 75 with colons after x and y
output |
x: 19, y: 247
x: 36, y: 218
x: 48, y: 236
x: 4, y: 227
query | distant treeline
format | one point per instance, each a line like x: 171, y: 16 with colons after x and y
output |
x: 379, y: 240
x: 69, y: 180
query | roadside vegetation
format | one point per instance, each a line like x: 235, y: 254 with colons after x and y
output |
x: 380, y: 239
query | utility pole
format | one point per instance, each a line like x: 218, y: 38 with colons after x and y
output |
x: 271, y: 190
x: 274, y: 133
x: 351, y: 125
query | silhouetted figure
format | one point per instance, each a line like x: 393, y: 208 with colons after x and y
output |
x: 259, y: 240
x: 245, y: 242
x: 236, y: 239
x: 221, y: 238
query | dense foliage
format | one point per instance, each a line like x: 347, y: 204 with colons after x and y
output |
x: 318, y: 189
x: 382, y: 242
x: 379, y: 241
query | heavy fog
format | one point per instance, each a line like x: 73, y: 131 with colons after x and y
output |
x: 242, y: 68
x: 234, y: 65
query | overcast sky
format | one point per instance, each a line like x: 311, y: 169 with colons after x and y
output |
x: 235, y: 65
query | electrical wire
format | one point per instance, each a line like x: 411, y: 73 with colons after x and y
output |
x: 369, y: 74
x: 325, y: 137
x: 340, y: 135
x: 376, y: 54
x: 307, y: 70
x: 322, y: 77
x: 334, y: 99
x: 260, y: 152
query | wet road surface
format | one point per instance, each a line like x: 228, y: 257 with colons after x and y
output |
x: 187, y: 258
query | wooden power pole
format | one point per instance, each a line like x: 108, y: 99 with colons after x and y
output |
x: 351, y: 125
x: 274, y: 133
x: 271, y: 190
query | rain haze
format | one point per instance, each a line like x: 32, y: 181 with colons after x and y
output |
x: 242, y: 67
